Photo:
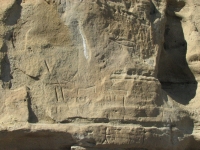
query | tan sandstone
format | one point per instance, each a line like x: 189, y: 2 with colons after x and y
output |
x: 100, y: 74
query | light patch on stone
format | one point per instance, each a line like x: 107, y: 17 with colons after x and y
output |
x: 84, y: 45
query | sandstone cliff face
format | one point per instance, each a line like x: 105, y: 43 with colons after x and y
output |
x: 116, y: 74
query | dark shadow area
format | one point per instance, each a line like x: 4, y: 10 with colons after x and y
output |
x: 154, y: 13
x: 13, y: 13
x: 175, y: 76
x: 11, y: 37
x: 42, y: 139
x: 5, y: 69
x: 32, y: 117
x: 181, y: 92
x: 185, y: 124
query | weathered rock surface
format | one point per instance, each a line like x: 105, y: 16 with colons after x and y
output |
x: 97, y: 74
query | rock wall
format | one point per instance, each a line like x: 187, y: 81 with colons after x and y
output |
x: 100, y: 74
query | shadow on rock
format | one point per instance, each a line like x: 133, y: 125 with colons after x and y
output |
x: 175, y: 76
